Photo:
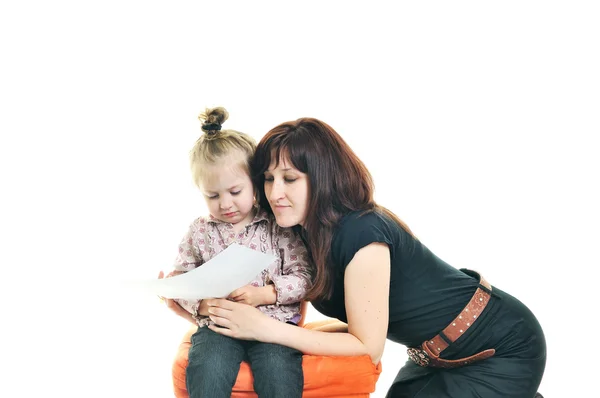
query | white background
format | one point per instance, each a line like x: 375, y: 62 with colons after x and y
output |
x: 479, y: 123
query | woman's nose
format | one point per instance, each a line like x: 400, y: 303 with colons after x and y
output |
x: 277, y: 192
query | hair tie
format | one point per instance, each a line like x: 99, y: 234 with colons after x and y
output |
x: 211, y: 128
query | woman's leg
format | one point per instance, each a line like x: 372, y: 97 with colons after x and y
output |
x: 515, y: 371
x: 490, y: 378
x: 213, y: 364
x: 411, y: 379
x: 277, y: 370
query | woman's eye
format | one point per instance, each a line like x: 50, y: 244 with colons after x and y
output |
x: 236, y: 193
x: 268, y: 178
x: 290, y: 180
x: 213, y: 197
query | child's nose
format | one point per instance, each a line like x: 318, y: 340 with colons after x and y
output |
x: 226, y: 204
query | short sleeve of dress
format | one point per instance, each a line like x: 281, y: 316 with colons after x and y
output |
x: 356, y: 231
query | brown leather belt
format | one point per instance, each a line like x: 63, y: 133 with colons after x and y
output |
x: 429, y: 352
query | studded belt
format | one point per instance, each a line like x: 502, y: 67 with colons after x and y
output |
x: 428, y: 354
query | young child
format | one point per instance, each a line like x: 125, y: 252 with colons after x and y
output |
x: 220, y: 167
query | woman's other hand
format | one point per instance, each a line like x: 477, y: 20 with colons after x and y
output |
x: 238, y: 320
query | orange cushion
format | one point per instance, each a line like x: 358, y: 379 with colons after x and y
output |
x: 324, y: 376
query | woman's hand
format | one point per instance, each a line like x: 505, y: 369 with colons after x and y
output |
x: 254, y: 296
x: 240, y: 321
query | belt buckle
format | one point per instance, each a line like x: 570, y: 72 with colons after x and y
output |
x: 419, y: 356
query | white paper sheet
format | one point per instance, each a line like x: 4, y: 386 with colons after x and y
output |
x: 234, y: 267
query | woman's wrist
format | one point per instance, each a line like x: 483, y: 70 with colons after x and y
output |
x: 271, y: 332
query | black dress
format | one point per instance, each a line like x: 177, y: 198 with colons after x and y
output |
x: 426, y: 294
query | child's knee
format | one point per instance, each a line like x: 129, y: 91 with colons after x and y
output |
x: 277, y: 359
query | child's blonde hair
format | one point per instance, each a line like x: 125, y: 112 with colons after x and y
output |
x: 216, y: 145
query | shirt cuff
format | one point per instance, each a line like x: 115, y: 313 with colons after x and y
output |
x: 197, y: 317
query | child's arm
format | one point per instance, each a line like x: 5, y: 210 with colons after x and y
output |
x: 188, y: 258
x: 175, y: 307
x: 255, y: 295
x: 292, y: 284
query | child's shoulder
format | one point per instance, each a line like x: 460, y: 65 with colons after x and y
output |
x: 263, y: 216
x: 200, y: 222
x: 264, y: 219
x: 286, y: 233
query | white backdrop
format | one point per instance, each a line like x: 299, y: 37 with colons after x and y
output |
x: 476, y: 120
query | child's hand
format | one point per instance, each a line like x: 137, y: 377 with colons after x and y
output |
x: 203, y: 308
x: 161, y: 275
x: 173, y: 305
x: 174, y: 273
x: 255, y: 296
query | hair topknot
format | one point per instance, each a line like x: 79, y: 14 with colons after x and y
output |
x: 212, y: 119
x: 216, y: 146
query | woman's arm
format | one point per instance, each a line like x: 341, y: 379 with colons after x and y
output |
x: 330, y: 326
x: 367, y: 289
x: 366, y: 283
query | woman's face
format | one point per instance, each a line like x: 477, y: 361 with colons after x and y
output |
x: 287, y: 191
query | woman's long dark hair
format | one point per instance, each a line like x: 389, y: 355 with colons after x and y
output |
x: 339, y: 183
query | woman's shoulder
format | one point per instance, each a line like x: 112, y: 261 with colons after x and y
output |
x: 362, y: 220
x: 358, y: 229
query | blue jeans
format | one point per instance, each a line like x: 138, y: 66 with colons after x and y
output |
x: 214, y: 362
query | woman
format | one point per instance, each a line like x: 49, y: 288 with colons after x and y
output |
x: 466, y: 338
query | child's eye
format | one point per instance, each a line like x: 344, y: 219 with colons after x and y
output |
x: 236, y: 193
x: 213, y: 197
x: 290, y: 180
x: 268, y: 178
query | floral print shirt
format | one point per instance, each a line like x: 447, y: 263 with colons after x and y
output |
x: 290, y: 273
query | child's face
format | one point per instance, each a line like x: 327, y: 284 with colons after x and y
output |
x: 229, y: 194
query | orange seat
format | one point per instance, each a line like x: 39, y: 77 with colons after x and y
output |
x: 324, y: 376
